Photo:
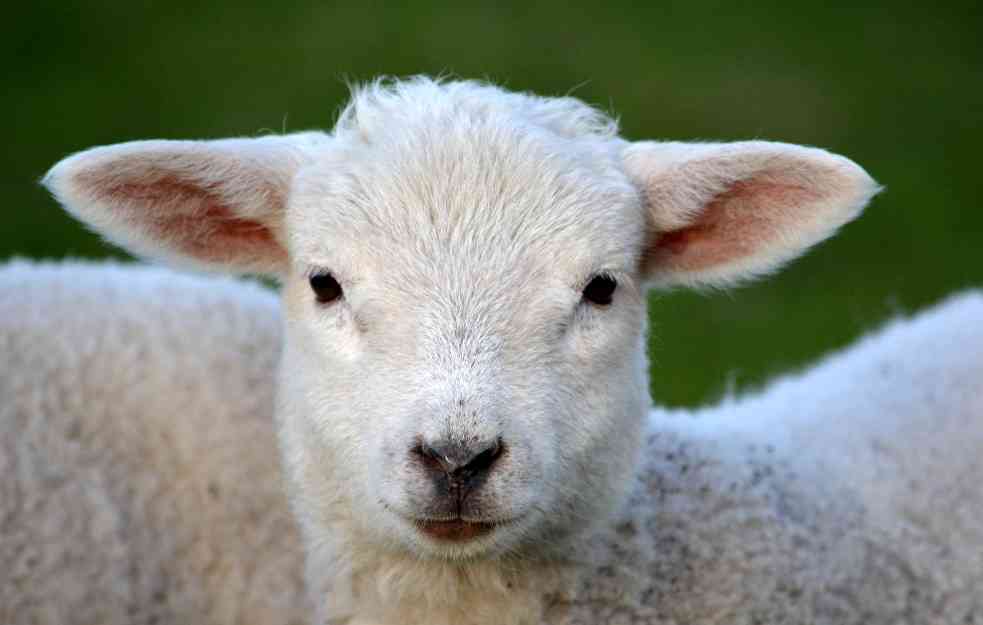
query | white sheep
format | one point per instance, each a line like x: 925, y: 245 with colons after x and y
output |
x: 462, y: 403
x: 125, y: 504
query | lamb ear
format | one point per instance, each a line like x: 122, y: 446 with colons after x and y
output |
x: 722, y: 213
x: 211, y: 204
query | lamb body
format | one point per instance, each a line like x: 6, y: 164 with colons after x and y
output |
x: 133, y: 492
x: 462, y: 397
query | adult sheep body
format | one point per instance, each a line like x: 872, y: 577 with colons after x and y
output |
x: 462, y: 402
x: 139, y: 481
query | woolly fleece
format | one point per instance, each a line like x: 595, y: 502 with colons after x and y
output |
x: 139, y: 480
x: 139, y: 477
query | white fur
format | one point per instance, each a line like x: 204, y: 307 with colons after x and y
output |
x: 139, y: 480
x: 131, y: 491
x: 463, y: 223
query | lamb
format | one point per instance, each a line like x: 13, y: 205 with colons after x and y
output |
x: 461, y: 398
x: 122, y: 504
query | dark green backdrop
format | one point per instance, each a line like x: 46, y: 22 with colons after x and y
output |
x: 897, y: 88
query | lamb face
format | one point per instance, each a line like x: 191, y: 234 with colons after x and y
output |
x: 465, y: 394
x: 463, y: 279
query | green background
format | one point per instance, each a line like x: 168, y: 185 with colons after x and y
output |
x: 898, y: 88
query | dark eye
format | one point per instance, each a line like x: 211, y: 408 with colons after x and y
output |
x: 599, y: 290
x: 326, y: 288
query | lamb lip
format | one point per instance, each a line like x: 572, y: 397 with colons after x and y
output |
x: 457, y: 530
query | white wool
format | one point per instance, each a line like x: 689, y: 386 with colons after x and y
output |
x: 462, y: 394
x: 132, y: 491
x: 139, y: 480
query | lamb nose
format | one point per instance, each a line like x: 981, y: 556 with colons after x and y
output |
x: 459, y: 460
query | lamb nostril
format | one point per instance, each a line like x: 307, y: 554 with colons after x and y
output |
x: 431, y: 457
x: 484, y: 460
x: 459, y: 460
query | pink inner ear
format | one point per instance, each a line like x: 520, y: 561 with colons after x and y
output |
x: 738, y: 222
x: 217, y: 236
x: 192, y: 217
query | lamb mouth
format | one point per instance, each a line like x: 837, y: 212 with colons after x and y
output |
x: 455, y: 530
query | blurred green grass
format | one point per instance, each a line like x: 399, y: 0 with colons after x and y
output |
x: 898, y: 88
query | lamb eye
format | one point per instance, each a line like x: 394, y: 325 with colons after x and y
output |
x: 326, y: 288
x: 599, y: 290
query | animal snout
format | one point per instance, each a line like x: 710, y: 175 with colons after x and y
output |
x: 457, y: 461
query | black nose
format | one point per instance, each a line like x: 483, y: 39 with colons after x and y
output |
x: 460, y: 461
